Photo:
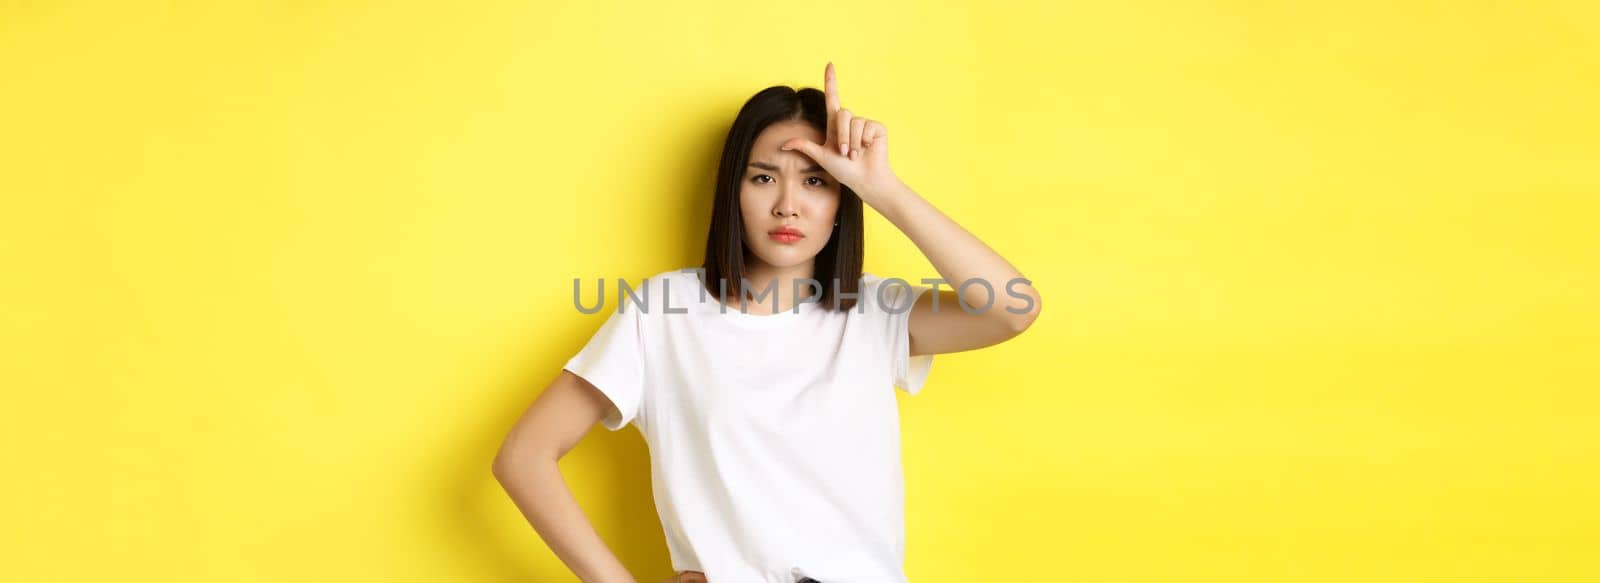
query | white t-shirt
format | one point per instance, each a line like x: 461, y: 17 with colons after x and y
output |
x: 774, y: 439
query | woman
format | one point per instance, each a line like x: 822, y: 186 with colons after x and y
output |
x: 760, y: 380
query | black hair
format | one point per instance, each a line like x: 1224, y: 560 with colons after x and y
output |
x: 838, y: 264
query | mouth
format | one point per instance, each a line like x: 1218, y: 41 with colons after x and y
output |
x: 785, y: 235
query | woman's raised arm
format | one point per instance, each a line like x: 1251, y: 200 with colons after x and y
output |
x: 1002, y: 303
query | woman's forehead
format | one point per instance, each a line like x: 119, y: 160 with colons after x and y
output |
x: 778, y: 133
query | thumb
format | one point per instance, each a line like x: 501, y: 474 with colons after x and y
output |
x: 807, y: 147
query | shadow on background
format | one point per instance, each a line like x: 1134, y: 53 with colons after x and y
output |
x: 628, y: 522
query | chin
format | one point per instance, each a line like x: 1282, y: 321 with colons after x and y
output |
x: 786, y: 256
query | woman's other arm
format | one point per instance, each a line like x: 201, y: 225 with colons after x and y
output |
x: 526, y: 467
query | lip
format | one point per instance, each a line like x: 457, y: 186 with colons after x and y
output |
x: 786, y: 234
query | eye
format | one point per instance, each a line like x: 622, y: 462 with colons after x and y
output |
x: 760, y: 176
x: 820, y: 181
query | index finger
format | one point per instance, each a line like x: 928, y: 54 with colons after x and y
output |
x: 830, y: 88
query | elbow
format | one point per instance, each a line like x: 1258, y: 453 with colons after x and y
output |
x: 1020, y: 322
x: 503, y: 468
x: 511, y: 464
x: 520, y: 458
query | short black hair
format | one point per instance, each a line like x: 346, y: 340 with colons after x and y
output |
x: 838, y: 264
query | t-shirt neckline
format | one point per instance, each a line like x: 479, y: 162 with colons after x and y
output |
x: 782, y: 317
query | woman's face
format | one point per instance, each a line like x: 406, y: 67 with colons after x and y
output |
x: 786, y: 189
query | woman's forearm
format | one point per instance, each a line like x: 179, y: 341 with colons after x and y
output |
x: 540, y: 492
x: 957, y: 254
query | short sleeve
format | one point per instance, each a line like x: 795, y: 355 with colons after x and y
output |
x: 613, y: 361
x: 910, y: 372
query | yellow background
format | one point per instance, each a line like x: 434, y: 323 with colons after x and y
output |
x: 1320, y: 279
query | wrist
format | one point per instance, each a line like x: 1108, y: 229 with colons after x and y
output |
x: 884, y: 191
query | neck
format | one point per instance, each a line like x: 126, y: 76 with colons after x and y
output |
x: 781, y: 282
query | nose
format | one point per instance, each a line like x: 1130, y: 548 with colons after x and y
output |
x: 784, y: 206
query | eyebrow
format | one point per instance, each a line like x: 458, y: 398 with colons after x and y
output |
x: 774, y: 168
